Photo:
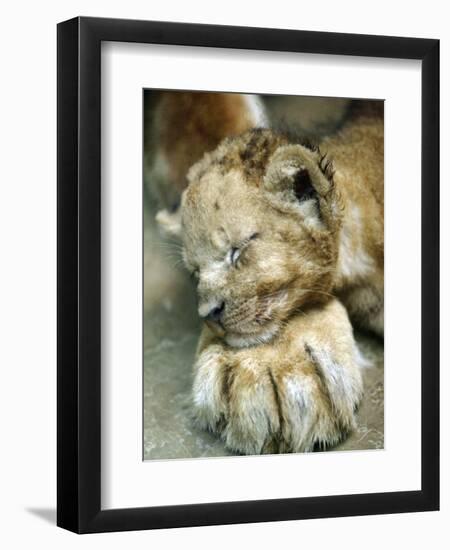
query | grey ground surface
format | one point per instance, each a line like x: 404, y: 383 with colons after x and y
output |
x: 171, y: 330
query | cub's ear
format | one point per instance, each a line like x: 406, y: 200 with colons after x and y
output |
x: 296, y: 172
x: 300, y: 180
x: 170, y: 222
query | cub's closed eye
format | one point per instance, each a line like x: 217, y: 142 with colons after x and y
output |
x: 235, y: 252
x: 234, y: 255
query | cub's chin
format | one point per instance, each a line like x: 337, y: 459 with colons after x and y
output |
x: 242, y: 340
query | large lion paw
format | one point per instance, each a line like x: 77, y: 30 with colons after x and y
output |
x: 260, y: 402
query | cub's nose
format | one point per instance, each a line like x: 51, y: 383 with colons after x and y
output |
x: 215, y: 313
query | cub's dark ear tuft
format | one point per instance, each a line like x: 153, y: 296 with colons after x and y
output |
x: 302, y: 185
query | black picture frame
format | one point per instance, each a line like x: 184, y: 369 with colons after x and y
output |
x: 79, y: 280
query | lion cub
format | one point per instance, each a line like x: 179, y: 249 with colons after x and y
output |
x: 279, y: 235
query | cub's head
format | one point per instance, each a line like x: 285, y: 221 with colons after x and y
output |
x: 259, y: 222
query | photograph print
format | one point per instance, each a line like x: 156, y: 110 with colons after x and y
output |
x: 263, y: 315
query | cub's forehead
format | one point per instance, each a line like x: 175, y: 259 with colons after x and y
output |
x: 217, y: 211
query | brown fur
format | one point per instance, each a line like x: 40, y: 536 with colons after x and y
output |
x: 186, y: 124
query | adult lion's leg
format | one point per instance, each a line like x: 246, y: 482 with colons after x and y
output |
x: 299, y: 391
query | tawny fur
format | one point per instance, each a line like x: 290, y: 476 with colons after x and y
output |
x: 293, y: 394
x: 278, y: 234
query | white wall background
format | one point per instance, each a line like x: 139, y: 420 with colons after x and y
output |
x: 28, y: 269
